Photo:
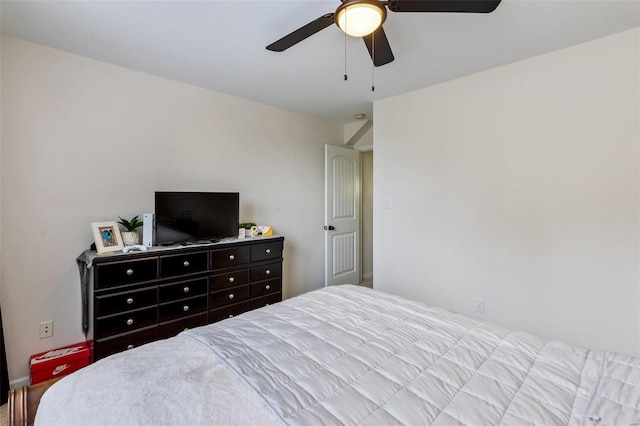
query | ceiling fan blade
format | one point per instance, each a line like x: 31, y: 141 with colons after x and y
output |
x: 383, y: 54
x: 467, y: 6
x: 301, y: 33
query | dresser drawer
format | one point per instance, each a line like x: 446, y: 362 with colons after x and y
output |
x: 106, y: 347
x: 182, y: 290
x: 265, y: 300
x: 125, y: 301
x: 231, y: 279
x: 229, y: 257
x: 123, y: 323
x: 265, y: 272
x: 226, y: 297
x: 265, y: 287
x: 121, y: 273
x: 170, y: 329
x: 264, y: 251
x: 182, y: 308
x: 228, y: 311
x: 182, y: 264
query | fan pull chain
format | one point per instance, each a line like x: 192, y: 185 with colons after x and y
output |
x: 345, y: 57
x: 373, y: 62
x: 345, y: 52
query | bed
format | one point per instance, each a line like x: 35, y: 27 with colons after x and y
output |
x: 350, y: 355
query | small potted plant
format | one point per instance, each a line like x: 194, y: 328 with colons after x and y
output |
x: 130, y: 237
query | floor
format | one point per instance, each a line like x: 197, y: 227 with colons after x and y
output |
x: 3, y: 415
x: 367, y: 283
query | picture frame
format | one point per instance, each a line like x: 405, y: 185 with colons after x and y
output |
x: 107, y: 237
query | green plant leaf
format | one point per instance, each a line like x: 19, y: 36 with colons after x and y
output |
x: 130, y: 225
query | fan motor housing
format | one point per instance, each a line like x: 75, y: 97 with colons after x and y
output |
x: 369, y: 4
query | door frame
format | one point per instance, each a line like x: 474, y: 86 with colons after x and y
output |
x: 363, y: 149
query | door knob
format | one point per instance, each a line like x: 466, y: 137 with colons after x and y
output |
x: 329, y: 228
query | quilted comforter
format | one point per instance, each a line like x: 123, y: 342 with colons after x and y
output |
x: 351, y: 355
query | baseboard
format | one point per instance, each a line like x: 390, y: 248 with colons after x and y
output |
x: 19, y: 382
x: 368, y: 276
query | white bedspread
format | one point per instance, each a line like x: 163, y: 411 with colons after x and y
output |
x: 169, y: 382
x: 350, y: 355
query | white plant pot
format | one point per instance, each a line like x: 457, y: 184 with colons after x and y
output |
x: 130, y: 238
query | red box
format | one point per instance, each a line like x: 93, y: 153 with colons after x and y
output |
x: 90, y: 345
x: 58, y: 362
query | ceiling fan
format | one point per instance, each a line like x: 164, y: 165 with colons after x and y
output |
x: 364, y: 18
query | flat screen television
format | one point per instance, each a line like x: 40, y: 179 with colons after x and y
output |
x: 192, y: 217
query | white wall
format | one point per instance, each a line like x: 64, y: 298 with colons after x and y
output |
x: 1, y: 120
x: 365, y: 143
x: 519, y: 185
x: 85, y: 141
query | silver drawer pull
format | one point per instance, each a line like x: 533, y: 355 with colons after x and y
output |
x: 130, y: 321
x: 231, y: 257
x: 267, y: 251
x: 268, y: 287
x: 130, y: 347
x: 129, y: 272
x: 185, y: 263
x: 231, y: 279
x: 268, y: 272
x: 185, y: 308
x: 129, y: 300
x: 186, y: 289
x: 231, y: 316
x: 231, y: 296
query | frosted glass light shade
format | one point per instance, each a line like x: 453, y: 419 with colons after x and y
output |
x: 359, y: 19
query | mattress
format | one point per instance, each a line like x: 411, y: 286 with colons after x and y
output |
x: 350, y: 355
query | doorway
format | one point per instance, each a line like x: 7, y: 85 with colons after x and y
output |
x: 358, y: 153
x: 366, y: 229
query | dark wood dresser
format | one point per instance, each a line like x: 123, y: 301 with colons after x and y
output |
x: 139, y: 297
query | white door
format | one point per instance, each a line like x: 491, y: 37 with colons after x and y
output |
x: 342, y: 215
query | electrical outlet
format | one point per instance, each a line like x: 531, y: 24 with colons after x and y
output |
x: 479, y: 305
x: 46, y: 329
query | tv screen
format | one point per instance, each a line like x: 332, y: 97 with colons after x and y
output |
x: 196, y: 216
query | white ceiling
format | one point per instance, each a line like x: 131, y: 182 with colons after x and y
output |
x: 220, y: 45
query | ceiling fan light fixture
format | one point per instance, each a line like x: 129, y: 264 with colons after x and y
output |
x: 359, y: 18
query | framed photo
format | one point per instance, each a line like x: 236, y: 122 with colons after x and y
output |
x: 107, y: 237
